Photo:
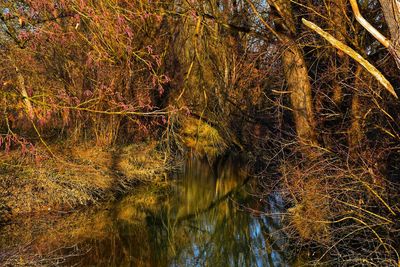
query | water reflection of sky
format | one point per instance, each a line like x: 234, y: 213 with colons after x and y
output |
x: 248, y: 247
x: 200, y: 223
x: 225, y: 235
x: 5, y: 11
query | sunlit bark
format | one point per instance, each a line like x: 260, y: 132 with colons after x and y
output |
x: 353, y: 54
x: 391, y: 11
x: 299, y: 85
x: 296, y: 74
x: 20, y: 81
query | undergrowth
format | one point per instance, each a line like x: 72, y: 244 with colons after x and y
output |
x: 346, y: 212
x: 78, y: 175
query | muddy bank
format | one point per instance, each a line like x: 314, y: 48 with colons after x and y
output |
x: 79, y: 175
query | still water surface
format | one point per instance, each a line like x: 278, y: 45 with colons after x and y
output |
x: 205, y: 218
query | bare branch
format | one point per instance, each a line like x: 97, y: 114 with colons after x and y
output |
x: 378, y: 36
x: 353, y: 54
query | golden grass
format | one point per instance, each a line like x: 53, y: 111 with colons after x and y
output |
x: 87, y: 174
x: 141, y: 162
x: 202, y: 138
x: 311, y: 212
x: 46, y: 238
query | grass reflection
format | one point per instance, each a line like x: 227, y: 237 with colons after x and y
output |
x: 194, y: 222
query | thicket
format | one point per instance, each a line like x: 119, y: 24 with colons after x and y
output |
x: 218, y: 75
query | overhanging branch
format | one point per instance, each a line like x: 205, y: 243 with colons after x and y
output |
x: 353, y: 54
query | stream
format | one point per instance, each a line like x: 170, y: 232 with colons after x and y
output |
x: 205, y: 217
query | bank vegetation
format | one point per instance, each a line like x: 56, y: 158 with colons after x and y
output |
x: 98, y: 94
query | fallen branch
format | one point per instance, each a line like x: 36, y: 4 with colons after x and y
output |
x: 378, y: 36
x: 353, y: 54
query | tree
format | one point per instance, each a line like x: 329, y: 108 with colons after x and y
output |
x: 391, y: 11
x: 296, y: 72
x: 92, y: 63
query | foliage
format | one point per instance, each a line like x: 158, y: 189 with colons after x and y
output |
x: 217, y: 76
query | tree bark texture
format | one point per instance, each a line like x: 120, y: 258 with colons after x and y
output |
x: 300, y: 87
x: 338, y: 25
x: 296, y: 74
x: 391, y: 11
x: 356, y: 133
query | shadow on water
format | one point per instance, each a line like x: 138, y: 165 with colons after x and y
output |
x: 197, y: 221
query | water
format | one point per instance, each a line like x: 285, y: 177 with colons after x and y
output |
x: 205, y: 218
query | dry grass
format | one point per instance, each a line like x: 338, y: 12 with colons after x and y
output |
x: 143, y: 162
x: 311, y: 211
x: 202, y: 138
x: 86, y: 174
x: 53, y: 240
x: 344, y: 210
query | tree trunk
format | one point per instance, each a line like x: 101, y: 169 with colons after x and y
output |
x: 338, y: 24
x: 296, y: 74
x: 391, y: 11
x: 301, y: 99
x: 356, y: 133
x: 21, y: 86
x: 22, y: 89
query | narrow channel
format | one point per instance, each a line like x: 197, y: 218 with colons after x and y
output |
x: 202, y: 218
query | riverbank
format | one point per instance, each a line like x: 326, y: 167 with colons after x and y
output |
x: 76, y: 175
x: 157, y: 225
x: 53, y: 239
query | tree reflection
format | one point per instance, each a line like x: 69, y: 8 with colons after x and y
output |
x: 197, y: 222
x: 202, y: 226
